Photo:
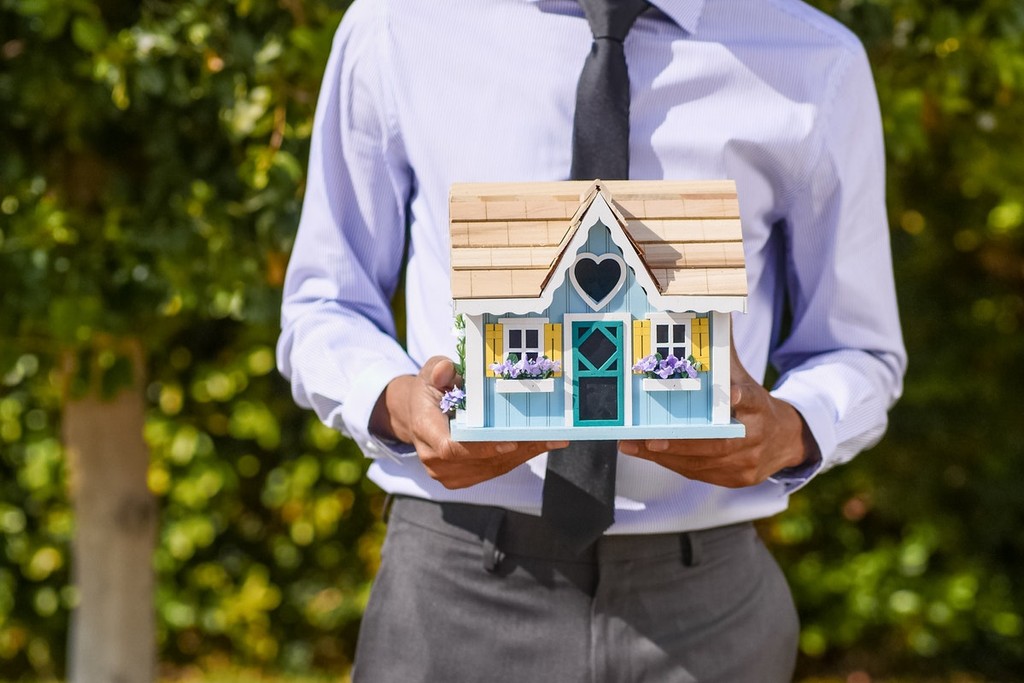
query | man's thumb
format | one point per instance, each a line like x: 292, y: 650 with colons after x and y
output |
x: 439, y: 373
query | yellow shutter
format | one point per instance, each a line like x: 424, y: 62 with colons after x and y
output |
x: 701, y: 347
x: 641, y: 339
x: 495, y: 342
x: 553, y: 343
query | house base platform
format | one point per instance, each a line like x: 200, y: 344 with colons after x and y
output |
x: 677, y: 431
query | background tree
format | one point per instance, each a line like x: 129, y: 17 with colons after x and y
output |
x: 151, y: 167
x: 151, y: 181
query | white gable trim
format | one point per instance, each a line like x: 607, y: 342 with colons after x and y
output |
x: 523, y: 306
x: 601, y: 211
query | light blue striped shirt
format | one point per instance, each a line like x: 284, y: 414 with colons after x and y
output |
x: 769, y: 93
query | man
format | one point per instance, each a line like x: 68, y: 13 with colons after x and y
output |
x: 417, y: 96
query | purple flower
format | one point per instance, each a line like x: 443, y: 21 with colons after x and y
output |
x: 513, y: 370
x: 526, y: 368
x: 646, y: 364
x: 545, y: 367
x: 668, y: 367
x: 455, y: 398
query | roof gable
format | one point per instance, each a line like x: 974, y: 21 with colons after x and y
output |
x: 683, y: 239
x: 597, y: 208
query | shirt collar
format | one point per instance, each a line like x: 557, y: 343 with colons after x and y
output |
x: 685, y: 13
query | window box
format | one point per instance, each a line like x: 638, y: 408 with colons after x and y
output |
x: 675, y: 384
x: 524, y: 386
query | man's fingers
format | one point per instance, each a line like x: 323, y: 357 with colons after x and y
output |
x: 735, y: 395
x: 458, y: 465
x: 482, y: 450
x: 431, y: 427
x: 690, y: 448
x: 732, y: 468
x: 535, y: 447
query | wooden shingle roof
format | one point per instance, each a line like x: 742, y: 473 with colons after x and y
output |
x: 506, y: 239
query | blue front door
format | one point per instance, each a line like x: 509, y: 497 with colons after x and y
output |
x: 597, y: 372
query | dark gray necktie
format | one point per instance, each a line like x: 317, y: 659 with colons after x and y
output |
x: 579, y: 487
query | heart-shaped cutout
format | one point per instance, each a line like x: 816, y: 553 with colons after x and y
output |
x: 598, y: 278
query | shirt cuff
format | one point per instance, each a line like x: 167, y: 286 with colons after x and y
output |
x: 358, y: 406
x: 819, y: 420
x: 795, y: 478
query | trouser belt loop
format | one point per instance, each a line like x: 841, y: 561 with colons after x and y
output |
x: 389, y: 502
x: 689, y: 547
x: 492, y: 554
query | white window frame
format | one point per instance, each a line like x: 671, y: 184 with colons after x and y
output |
x: 672, y: 319
x: 522, y: 324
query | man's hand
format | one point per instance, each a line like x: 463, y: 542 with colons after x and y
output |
x: 409, y: 411
x: 776, y: 438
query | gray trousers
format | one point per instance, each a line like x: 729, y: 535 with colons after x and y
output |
x: 468, y: 593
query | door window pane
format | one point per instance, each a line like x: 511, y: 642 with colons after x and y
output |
x: 597, y: 348
x: 599, y: 398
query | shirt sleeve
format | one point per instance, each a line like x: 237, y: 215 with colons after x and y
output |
x: 842, y: 364
x: 338, y: 345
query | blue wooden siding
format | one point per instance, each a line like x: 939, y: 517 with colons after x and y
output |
x: 522, y: 410
x: 548, y: 409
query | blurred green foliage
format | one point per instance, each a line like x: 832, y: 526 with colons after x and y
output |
x: 151, y: 165
x: 909, y: 559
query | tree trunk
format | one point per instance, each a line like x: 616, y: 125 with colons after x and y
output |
x: 112, y: 637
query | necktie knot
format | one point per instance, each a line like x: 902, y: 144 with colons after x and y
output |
x: 612, y: 19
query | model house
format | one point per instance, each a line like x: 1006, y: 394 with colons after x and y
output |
x: 596, y: 310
